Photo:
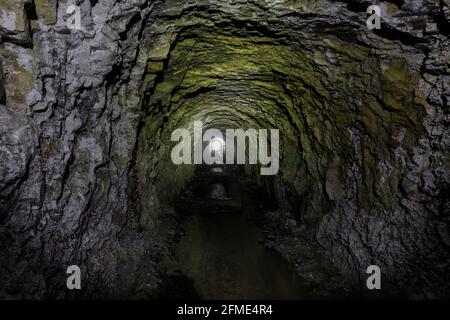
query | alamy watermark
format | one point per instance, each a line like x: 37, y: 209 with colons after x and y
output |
x: 374, y: 281
x: 73, y: 17
x: 227, y: 146
x: 74, y: 280
x: 73, y: 20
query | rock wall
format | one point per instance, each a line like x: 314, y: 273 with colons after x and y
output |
x: 86, y: 118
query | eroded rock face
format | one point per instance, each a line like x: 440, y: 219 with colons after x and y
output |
x: 87, y: 118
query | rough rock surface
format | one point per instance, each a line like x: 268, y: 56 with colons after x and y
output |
x: 86, y: 117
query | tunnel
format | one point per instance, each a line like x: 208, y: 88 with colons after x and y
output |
x: 88, y: 113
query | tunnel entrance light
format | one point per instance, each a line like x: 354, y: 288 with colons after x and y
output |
x: 216, y: 149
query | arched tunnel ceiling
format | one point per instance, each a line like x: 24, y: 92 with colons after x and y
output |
x: 285, y: 75
x: 363, y: 118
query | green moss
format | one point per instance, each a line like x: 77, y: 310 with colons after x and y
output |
x: 14, y: 9
x: 121, y: 161
x: 163, y: 91
x: 148, y: 82
x: 395, y: 71
x: 394, y: 101
x: 312, y: 100
x: 84, y: 162
x: 160, y: 52
x: 155, y: 66
x: 47, y: 10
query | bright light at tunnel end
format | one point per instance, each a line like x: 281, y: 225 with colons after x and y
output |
x: 262, y: 149
x: 217, y: 144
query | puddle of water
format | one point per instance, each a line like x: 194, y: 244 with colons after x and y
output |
x: 222, y: 254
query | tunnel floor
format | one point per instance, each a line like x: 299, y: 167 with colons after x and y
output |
x: 222, y: 249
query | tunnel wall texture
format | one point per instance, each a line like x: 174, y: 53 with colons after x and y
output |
x: 86, y: 117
